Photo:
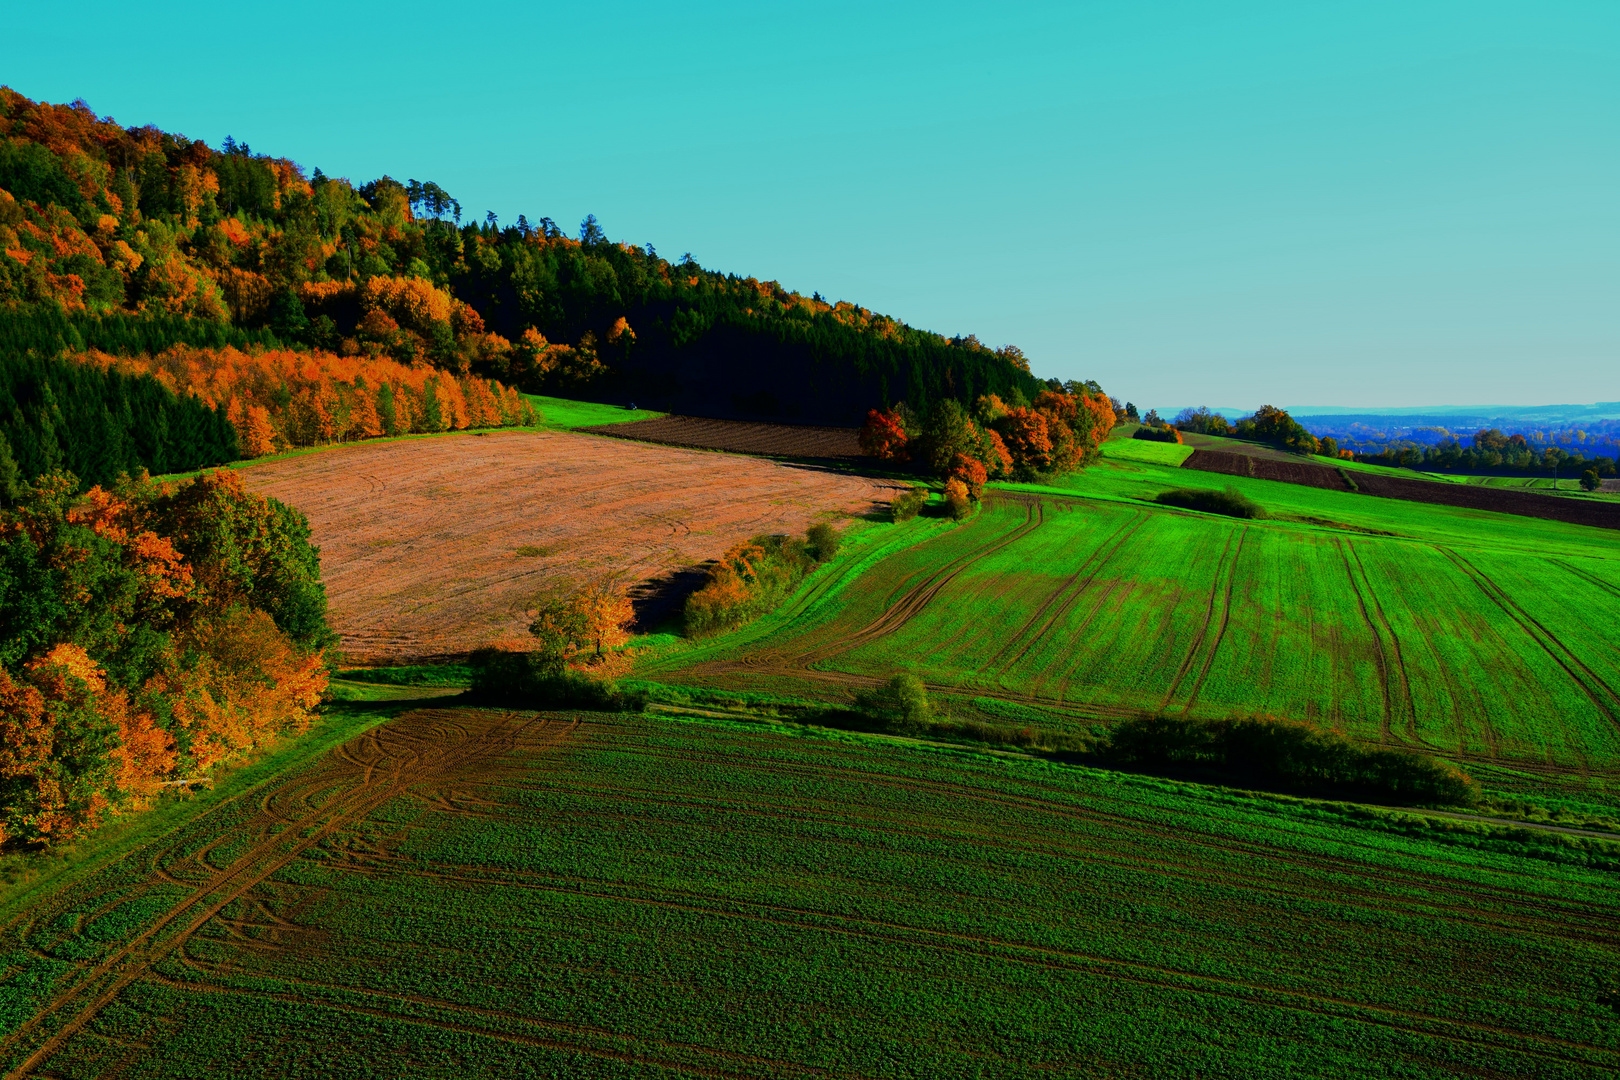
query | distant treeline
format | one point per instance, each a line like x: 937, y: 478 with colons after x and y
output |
x: 237, y: 249
x: 99, y: 423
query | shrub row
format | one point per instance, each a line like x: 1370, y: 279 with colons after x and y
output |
x: 1231, y: 502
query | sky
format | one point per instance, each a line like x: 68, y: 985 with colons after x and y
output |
x: 1223, y: 202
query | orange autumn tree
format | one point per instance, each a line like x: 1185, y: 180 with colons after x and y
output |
x: 279, y: 399
x: 146, y: 633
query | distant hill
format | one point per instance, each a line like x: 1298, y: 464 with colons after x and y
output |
x: 99, y: 221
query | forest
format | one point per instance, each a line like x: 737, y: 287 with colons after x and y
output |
x: 133, y: 241
x: 147, y: 633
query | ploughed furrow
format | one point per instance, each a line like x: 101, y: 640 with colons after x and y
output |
x: 1063, y: 599
x: 919, y: 596
x: 1231, y: 574
x: 1220, y: 575
x: 358, y: 778
x: 1382, y: 631
x: 1592, y: 684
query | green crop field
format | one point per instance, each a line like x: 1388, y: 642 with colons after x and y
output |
x: 564, y: 413
x: 1490, y: 639
x: 463, y: 893
x: 1123, y: 448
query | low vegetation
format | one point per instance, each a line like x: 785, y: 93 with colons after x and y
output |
x: 580, y: 892
x: 1231, y: 501
x: 754, y: 577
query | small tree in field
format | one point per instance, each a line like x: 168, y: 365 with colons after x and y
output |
x: 587, y: 621
x: 1590, y: 480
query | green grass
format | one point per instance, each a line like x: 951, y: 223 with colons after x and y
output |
x: 1125, y: 448
x: 652, y: 897
x: 563, y: 414
x: 1490, y: 639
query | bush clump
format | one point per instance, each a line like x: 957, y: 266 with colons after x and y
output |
x: 1270, y: 752
x: 1231, y: 502
x: 908, y: 504
x: 901, y: 703
x: 1157, y: 434
x: 532, y: 680
x: 755, y: 576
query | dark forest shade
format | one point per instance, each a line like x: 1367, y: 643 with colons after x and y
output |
x: 96, y: 424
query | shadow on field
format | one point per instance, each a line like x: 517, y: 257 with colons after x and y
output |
x: 659, y: 600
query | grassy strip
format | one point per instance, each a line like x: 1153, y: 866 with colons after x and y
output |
x: 563, y: 414
x: 27, y: 877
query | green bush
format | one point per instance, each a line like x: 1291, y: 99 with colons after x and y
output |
x: 902, y: 701
x: 524, y: 680
x: 1157, y: 434
x: 1231, y: 502
x: 1287, y: 754
x: 909, y: 504
x: 821, y: 542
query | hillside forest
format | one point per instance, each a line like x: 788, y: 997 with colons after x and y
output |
x: 149, y: 254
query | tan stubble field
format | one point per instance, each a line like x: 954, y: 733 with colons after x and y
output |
x: 433, y: 547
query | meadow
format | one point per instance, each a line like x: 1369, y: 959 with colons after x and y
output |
x: 1488, y: 639
x: 586, y: 895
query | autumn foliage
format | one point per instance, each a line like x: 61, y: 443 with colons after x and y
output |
x: 1057, y: 433
x: 146, y: 634
x: 279, y: 399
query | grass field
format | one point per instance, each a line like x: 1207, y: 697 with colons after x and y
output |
x: 1490, y: 639
x: 462, y: 894
x: 1125, y: 448
x: 564, y: 414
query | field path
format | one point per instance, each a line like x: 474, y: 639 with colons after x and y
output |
x: 433, y: 547
x: 422, y: 749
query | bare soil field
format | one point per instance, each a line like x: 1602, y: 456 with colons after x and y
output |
x: 433, y: 547
x: 1472, y: 496
x: 774, y: 440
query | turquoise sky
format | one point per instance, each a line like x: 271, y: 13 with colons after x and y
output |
x: 1218, y: 202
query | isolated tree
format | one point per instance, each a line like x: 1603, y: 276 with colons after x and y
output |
x: 1590, y: 480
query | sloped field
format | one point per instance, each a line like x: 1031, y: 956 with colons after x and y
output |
x: 742, y: 437
x: 434, y: 547
x: 1437, y: 632
x: 469, y: 894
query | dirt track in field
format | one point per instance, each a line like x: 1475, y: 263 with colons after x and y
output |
x: 434, y: 547
x: 422, y: 754
x: 1470, y: 496
x: 774, y: 440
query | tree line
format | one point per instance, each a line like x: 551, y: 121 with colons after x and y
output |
x: 994, y: 439
x: 98, y: 221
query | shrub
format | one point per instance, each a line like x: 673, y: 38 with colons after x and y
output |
x: 527, y: 680
x: 1231, y: 502
x: 1157, y: 434
x: 902, y: 702
x: 1286, y: 754
x: 1590, y: 480
x: 957, y: 502
x: 907, y: 505
x: 821, y: 541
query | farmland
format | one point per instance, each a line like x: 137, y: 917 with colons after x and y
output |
x: 437, y: 546
x: 1489, y: 639
x: 587, y: 895
x: 775, y: 440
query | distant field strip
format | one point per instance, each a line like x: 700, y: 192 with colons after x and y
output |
x: 1100, y: 608
x: 466, y: 894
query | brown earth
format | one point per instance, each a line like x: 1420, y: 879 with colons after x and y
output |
x: 433, y: 547
x: 774, y: 440
x: 1603, y: 515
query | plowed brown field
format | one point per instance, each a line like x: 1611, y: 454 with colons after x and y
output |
x: 776, y: 440
x: 434, y: 547
x: 1473, y: 496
